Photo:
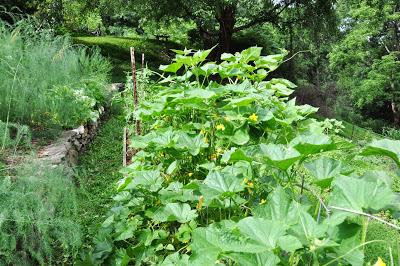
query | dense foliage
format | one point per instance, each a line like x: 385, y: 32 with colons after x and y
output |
x: 230, y: 171
x: 367, y: 59
x: 38, y: 214
x: 45, y: 80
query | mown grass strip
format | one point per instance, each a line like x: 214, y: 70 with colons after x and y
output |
x: 97, y: 172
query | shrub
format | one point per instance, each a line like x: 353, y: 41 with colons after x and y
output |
x: 45, y: 80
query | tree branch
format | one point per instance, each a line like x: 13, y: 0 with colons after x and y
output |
x: 268, y: 16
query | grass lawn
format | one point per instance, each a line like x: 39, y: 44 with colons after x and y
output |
x: 117, y: 49
x: 97, y: 174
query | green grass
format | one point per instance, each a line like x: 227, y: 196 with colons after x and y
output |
x: 117, y: 49
x: 391, y: 238
x: 97, y: 174
x: 354, y: 132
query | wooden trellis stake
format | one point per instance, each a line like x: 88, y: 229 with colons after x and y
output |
x: 124, y: 148
x: 135, y: 92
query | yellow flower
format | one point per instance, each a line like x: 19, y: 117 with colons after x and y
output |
x: 250, y: 184
x: 253, y: 117
x: 245, y: 180
x: 205, y: 140
x: 202, y: 131
x: 190, y: 174
x: 263, y: 201
x: 380, y: 262
x: 219, y: 150
x: 220, y: 127
x: 213, y: 157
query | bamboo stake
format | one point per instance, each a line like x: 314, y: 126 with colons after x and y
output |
x: 135, y: 93
x: 124, y: 152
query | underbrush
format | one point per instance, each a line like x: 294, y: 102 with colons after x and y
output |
x: 38, y: 210
x: 46, y: 81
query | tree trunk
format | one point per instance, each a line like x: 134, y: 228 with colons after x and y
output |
x: 226, y: 24
x: 291, y: 65
x: 396, y: 114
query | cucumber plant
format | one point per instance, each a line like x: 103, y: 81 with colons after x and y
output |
x: 232, y: 172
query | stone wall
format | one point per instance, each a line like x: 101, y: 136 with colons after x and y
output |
x: 67, y: 148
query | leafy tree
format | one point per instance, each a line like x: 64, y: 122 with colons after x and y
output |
x: 367, y: 58
x: 221, y: 19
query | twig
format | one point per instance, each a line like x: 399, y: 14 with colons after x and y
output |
x: 135, y: 94
x: 299, y: 52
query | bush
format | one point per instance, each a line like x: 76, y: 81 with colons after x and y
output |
x: 37, y: 211
x: 46, y: 81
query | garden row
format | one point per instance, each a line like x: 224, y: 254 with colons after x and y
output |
x: 47, y: 85
x: 47, y: 82
x: 230, y: 171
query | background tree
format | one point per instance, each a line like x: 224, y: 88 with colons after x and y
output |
x: 367, y: 58
x: 218, y: 20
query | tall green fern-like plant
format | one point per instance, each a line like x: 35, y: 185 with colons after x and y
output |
x: 46, y: 81
x: 38, y: 217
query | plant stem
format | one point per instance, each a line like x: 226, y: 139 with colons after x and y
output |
x: 364, y: 230
x: 366, y: 214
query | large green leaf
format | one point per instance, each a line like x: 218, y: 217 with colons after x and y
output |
x: 219, y: 185
x: 262, y: 231
x: 260, y: 259
x: 176, y: 259
x: 386, y: 147
x: 164, y: 139
x: 192, y: 144
x: 180, y: 212
x: 360, y: 194
x: 279, y: 207
x: 241, y: 136
x: 307, y: 229
x: 279, y: 155
x: 151, y: 180
x: 173, y: 68
x: 356, y: 256
x: 175, y: 192
x: 324, y: 169
x: 250, y: 54
x: 235, y: 154
x: 237, y: 102
x: 224, y: 237
x: 199, y: 93
x: 313, y: 143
